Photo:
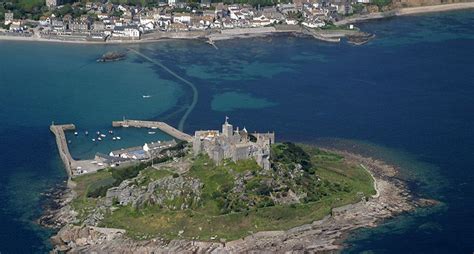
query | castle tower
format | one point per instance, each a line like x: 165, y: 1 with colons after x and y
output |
x: 227, y: 128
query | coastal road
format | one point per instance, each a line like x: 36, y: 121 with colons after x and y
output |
x: 191, y: 85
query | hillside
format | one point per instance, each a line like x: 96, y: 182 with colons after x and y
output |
x: 192, y: 198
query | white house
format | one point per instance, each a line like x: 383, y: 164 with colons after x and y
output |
x: 127, y: 32
x: 182, y: 18
x: 314, y: 23
x: 261, y: 21
x: 291, y: 21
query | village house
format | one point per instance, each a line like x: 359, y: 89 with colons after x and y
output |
x: 98, y: 26
x: 79, y: 26
x: 8, y: 18
x: 182, y: 18
x: 177, y: 27
x: 126, y: 32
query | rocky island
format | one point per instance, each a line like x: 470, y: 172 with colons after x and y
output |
x: 112, y: 56
x: 228, y: 191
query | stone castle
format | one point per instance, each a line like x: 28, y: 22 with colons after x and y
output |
x: 234, y: 144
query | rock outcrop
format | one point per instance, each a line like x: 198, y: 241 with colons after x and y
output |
x: 163, y: 192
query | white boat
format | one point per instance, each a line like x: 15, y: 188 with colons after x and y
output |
x: 69, y: 141
x: 93, y: 140
x: 114, y: 138
x: 146, y: 96
x: 98, y: 133
x: 99, y: 139
x: 118, y: 138
x: 100, y: 164
x: 103, y: 135
x: 154, y: 127
x: 151, y: 132
x: 125, y: 126
x: 75, y: 133
x: 87, y: 133
x: 111, y: 132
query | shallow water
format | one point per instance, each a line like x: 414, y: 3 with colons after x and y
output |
x: 406, y: 96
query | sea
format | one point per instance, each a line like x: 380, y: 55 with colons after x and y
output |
x: 406, y: 97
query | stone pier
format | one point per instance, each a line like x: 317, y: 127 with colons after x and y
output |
x: 73, y: 167
x: 166, y: 128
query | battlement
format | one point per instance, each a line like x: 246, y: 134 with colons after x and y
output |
x: 234, y: 144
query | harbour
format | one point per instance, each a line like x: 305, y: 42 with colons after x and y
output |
x: 124, y: 156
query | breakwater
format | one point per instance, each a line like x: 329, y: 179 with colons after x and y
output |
x: 58, y: 131
x: 73, y: 167
x: 191, y: 85
x: 166, y: 128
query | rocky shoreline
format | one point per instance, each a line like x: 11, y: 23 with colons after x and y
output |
x: 392, y: 198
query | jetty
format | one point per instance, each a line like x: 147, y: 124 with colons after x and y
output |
x: 164, y: 127
x: 211, y: 42
x: 73, y: 167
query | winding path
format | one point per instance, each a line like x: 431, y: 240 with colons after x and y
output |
x: 191, y: 85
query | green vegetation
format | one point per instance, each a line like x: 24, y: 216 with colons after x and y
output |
x: 358, y: 7
x: 237, y: 198
x: 84, y: 185
x: 32, y: 9
x: 381, y: 3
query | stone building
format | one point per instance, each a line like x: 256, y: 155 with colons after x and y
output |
x: 234, y: 144
x: 53, y: 3
x: 8, y: 18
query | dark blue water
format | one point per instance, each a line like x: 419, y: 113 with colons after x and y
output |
x: 406, y: 97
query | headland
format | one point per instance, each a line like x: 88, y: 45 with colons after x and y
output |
x: 227, y: 191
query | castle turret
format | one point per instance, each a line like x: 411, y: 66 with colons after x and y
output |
x: 227, y: 129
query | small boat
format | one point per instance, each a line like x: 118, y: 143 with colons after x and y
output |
x: 98, y: 133
x: 146, y: 96
x: 100, y: 164
x: 154, y: 127
x: 125, y: 126
x: 103, y: 135
x: 114, y: 138
x: 99, y: 139
x: 151, y: 132
x: 118, y: 138
x: 87, y: 133
x: 75, y: 133
x: 93, y: 140
x: 69, y: 141
x: 111, y: 132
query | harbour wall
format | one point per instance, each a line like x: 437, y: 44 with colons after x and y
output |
x: 58, y: 131
x: 166, y: 128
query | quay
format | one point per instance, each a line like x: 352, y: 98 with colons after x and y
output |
x: 78, y: 167
x: 164, y: 127
x: 73, y: 167
x: 58, y: 131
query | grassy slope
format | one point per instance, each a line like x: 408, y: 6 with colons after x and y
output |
x: 206, y: 222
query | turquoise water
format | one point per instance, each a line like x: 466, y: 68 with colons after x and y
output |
x: 406, y: 97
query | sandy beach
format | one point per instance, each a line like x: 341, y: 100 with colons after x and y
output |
x: 408, y: 11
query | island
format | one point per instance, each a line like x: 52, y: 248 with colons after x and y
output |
x: 227, y: 191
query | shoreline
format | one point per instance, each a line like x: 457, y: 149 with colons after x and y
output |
x: 328, y: 234
x: 256, y: 32
x: 408, y: 11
